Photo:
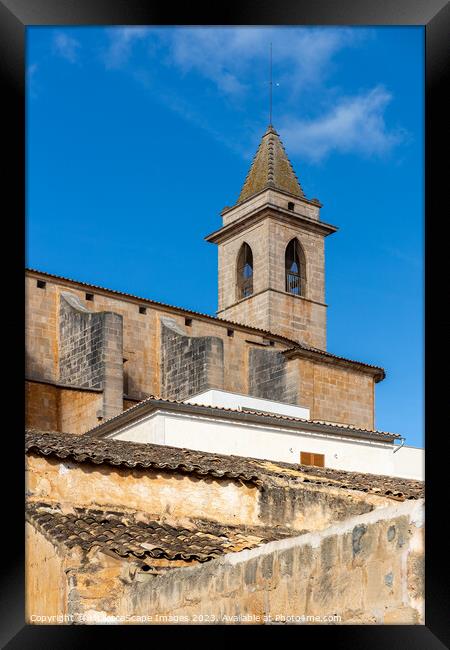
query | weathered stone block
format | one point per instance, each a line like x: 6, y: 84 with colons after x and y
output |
x: 189, y: 364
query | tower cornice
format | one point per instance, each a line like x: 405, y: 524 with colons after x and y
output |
x: 265, y: 211
x: 301, y: 199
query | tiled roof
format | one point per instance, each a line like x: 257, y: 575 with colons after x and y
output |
x: 127, y: 537
x: 294, y: 345
x: 137, y: 455
x: 85, y: 449
x: 270, y: 168
x: 159, y: 402
x: 393, y: 487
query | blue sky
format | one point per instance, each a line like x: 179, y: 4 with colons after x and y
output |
x: 138, y: 137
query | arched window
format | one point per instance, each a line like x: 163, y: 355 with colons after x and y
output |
x: 245, y: 272
x: 295, y: 268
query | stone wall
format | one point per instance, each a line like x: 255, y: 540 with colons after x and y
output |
x: 79, y: 410
x: 50, y: 407
x: 80, y: 344
x: 41, y: 330
x: 275, y: 198
x: 326, y: 395
x: 331, y: 393
x: 269, y: 377
x: 41, y: 406
x: 65, y: 586
x: 182, y: 496
x: 336, y: 394
x: 291, y: 316
x: 189, y: 364
x: 356, y: 556
x: 45, y: 580
x: 178, y: 497
x: 257, y: 237
x: 91, y: 351
x: 271, y: 307
x: 368, y: 569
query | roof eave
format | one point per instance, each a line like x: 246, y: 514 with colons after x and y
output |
x: 376, y: 372
x: 151, y: 405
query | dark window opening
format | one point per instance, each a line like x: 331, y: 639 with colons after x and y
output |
x: 230, y: 332
x: 306, y: 458
x: 142, y: 310
x: 291, y: 205
x: 89, y: 296
x: 188, y: 321
x: 245, y: 272
x: 295, y: 268
x: 41, y: 284
x: 271, y: 343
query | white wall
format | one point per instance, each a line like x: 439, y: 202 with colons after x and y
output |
x: 409, y: 462
x: 216, y: 435
x: 235, y: 401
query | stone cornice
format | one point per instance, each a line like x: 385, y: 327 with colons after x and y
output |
x: 302, y: 352
x: 57, y: 384
x: 258, y: 293
x: 300, y: 199
x: 269, y: 210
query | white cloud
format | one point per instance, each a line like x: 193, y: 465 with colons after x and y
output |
x: 121, y: 41
x: 66, y: 46
x: 354, y: 125
x: 232, y: 58
x: 236, y: 62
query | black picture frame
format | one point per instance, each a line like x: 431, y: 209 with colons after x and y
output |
x: 15, y: 16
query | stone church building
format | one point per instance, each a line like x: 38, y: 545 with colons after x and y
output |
x: 93, y: 352
x: 165, y: 480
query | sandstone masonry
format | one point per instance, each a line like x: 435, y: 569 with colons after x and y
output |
x: 151, y: 360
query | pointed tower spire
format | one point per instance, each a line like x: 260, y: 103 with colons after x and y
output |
x: 279, y: 234
x: 271, y: 168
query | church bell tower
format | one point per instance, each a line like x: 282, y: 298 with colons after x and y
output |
x: 271, y: 252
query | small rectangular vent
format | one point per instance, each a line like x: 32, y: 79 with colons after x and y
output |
x: 307, y: 458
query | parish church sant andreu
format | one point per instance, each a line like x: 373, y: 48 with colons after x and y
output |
x: 93, y: 352
x: 189, y: 468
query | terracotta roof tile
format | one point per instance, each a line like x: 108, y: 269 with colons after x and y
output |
x: 82, y: 449
x: 127, y: 537
x: 144, y: 456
